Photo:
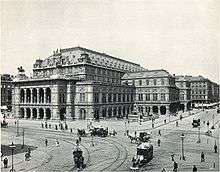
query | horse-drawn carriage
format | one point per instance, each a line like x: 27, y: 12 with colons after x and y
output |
x: 100, y: 132
x: 4, y: 124
x: 78, y: 157
x: 82, y: 132
x: 196, y: 123
x: 143, y: 137
x: 143, y: 156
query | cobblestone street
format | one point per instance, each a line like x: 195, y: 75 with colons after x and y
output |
x: 114, y: 153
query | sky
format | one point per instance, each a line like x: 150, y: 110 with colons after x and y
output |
x: 179, y: 36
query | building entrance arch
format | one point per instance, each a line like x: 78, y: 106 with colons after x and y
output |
x: 82, y: 114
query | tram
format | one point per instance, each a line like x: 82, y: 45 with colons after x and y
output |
x: 78, y: 158
x: 144, y: 155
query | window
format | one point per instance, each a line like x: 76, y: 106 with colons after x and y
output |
x: 162, y: 96
x: 96, y: 97
x: 123, y: 97
x: 162, y: 81
x: 155, y: 82
x: 154, y: 97
x: 203, y: 91
x: 82, y: 97
x: 109, y: 97
x: 140, y: 82
x: 119, y: 97
x: 140, y: 97
x: 147, y: 82
x: 147, y: 97
x: 114, y: 98
x: 103, y: 98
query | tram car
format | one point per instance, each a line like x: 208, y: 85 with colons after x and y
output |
x: 144, y: 155
x: 4, y: 124
x: 144, y: 136
x: 196, y: 123
x: 78, y: 158
x: 100, y: 132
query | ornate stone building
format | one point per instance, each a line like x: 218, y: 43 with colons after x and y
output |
x: 185, y: 92
x: 156, y: 92
x: 6, y: 90
x: 203, y: 91
x: 74, y: 83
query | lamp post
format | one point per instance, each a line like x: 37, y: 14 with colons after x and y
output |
x: 12, y: 146
x: 182, y: 137
x: 22, y: 137
x: 199, y: 140
x: 17, y: 134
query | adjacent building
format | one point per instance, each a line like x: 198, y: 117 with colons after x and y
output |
x: 203, y: 91
x: 184, y: 92
x: 6, y: 91
x: 156, y: 92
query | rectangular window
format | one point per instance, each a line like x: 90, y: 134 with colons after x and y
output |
x: 162, y: 81
x: 147, y: 82
x: 114, y: 98
x: 103, y: 98
x: 147, y: 97
x: 162, y: 96
x: 155, y: 82
x: 154, y: 97
x: 119, y: 97
x: 96, y: 97
x: 82, y: 97
x: 140, y: 82
x: 140, y: 97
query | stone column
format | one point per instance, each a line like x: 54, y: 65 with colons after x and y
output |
x: 25, y: 94
x: 38, y: 113
x: 159, y: 113
x: 31, y: 113
x: 44, y: 95
x: 25, y: 113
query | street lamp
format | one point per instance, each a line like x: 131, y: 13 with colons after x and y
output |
x: 22, y: 137
x: 199, y: 140
x: 182, y: 137
x: 12, y: 146
x: 17, y: 128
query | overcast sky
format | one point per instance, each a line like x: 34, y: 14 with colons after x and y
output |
x: 181, y: 36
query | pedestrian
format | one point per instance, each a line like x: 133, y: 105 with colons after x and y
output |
x: 2, y: 156
x: 79, y: 139
x: 176, y: 123
x: 135, y: 134
x: 152, y: 125
x: 172, y: 157
x: 56, y: 128
x: 46, y: 142
x: 216, y: 148
x: 158, y: 142
x: 159, y: 133
x: 194, y: 168
x: 49, y: 126
x: 5, y: 162
x: 165, y: 121
x: 71, y: 130
x: 202, y: 157
x: 66, y: 127
x: 57, y: 143
x: 175, y: 166
x: 163, y: 170
x: 29, y: 150
x: 127, y: 132
x: 42, y: 125
x: 45, y: 124
x: 207, y: 123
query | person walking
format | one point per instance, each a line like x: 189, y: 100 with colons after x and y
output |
x: 158, y: 142
x: 57, y: 143
x: 176, y: 123
x: 159, y: 133
x: 202, y: 157
x: 46, y: 142
x: 5, y: 162
x: 172, y: 157
x: 175, y: 166
x: 194, y: 168
x: 216, y: 148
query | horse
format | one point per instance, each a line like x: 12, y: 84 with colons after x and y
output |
x: 133, y: 138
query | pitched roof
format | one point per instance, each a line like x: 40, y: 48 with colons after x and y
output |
x: 147, y: 74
